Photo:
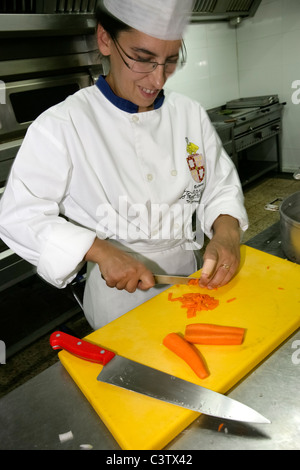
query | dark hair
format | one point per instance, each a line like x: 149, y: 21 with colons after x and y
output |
x: 110, y: 23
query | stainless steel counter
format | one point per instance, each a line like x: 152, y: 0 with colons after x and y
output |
x: 35, y: 415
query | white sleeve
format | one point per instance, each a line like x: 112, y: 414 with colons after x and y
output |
x: 30, y: 220
x: 223, y: 193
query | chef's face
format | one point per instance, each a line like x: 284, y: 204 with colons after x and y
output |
x: 139, y: 88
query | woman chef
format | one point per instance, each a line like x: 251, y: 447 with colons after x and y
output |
x: 121, y: 173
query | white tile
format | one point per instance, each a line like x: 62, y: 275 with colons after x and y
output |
x: 222, y: 59
x: 291, y: 159
x: 223, y: 88
x: 195, y: 36
x: 220, y: 33
x: 291, y: 126
x: 198, y: 89
x: 290, y: 15
x: 262, y: 52
x: 266, y: 22
x: 197, y: 63
x: 291, y: 46
x: 291, y: 74
x: 261, y: 81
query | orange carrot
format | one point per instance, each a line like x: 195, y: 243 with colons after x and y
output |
x: 187, y: 352
x: 205, y: 333
x: 193, y: 282
x: 195, y: 302
x: 231, y: 300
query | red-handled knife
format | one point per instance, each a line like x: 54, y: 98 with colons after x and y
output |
x: 80, y: 348
x: 154, y: 383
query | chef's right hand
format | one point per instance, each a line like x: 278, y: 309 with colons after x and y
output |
x: 118, y: 268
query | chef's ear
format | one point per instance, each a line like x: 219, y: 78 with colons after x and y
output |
x: 103, y: 40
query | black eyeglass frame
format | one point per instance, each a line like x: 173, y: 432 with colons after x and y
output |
x: 179, y: 64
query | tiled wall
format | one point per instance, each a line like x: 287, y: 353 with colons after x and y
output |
x: 260, y: 56
x: 268, y: 62
x: 211, y: 73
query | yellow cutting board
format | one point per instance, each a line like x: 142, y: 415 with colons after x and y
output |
x: 267, y: 304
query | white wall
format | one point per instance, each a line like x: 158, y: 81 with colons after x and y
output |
x: 261, y: 56
x: 211, y: 73
x: 268, y: 62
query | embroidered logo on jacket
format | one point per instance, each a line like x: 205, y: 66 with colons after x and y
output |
x: 195, y: 162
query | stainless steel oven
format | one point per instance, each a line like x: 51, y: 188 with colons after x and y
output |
x: 48, y: 51
x: 251, y: 132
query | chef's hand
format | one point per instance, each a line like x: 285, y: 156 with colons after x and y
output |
x: 118, y: 268
x: 222, y: 254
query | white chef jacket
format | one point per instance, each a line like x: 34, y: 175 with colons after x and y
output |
x: 93, y: 166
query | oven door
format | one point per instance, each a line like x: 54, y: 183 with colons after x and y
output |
x: 29, y: 306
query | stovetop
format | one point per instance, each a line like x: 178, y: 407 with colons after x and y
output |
x: 239, y: 111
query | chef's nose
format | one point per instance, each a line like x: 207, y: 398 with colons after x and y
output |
x: 158, y: 77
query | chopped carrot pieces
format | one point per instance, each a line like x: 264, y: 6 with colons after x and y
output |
x: 205, y: 333
x: 186, y: 351
x: 193, y: 282
x: 195, y: 302
x: 231, y: 300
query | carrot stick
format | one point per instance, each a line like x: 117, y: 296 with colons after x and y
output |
x: 187, y: 352
x: 205, y: 333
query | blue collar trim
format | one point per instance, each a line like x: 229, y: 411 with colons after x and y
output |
x: 121, y: 103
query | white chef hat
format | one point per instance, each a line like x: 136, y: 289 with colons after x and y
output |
x: 162, y: 19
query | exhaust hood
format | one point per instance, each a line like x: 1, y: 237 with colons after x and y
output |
x: 224, y: 10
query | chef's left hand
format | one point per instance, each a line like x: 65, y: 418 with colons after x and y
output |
x: 222, y: 254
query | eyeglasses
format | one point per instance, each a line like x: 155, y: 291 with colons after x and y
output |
x: 147, y: 66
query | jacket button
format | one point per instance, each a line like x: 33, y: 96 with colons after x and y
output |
x: 174, y: 173
x: 149, y: 177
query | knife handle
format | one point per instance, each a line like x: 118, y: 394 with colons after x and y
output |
x: 80, y: 348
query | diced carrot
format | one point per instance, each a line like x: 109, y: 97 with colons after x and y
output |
x: 196, y: 301
x: 186, y: 351
x: 231, y: 300
x: 220, y: 427
x: 206, y: 333
x: 191, y: 312
x: 193, y: 282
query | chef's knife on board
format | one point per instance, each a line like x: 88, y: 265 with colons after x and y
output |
x: 166, y: 279
x: 145, y: 380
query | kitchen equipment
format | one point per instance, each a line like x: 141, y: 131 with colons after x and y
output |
x: 252, y: 101
x: 166, y: 279
x: 224, y: 10
x: 263, y: 298
x: 48, y: 51
x: 136, y: 377
x: 251, y: 130
x: 290, y: 226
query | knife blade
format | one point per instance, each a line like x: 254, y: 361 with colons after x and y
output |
x: 131, y: 375
x: 166, y: 279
